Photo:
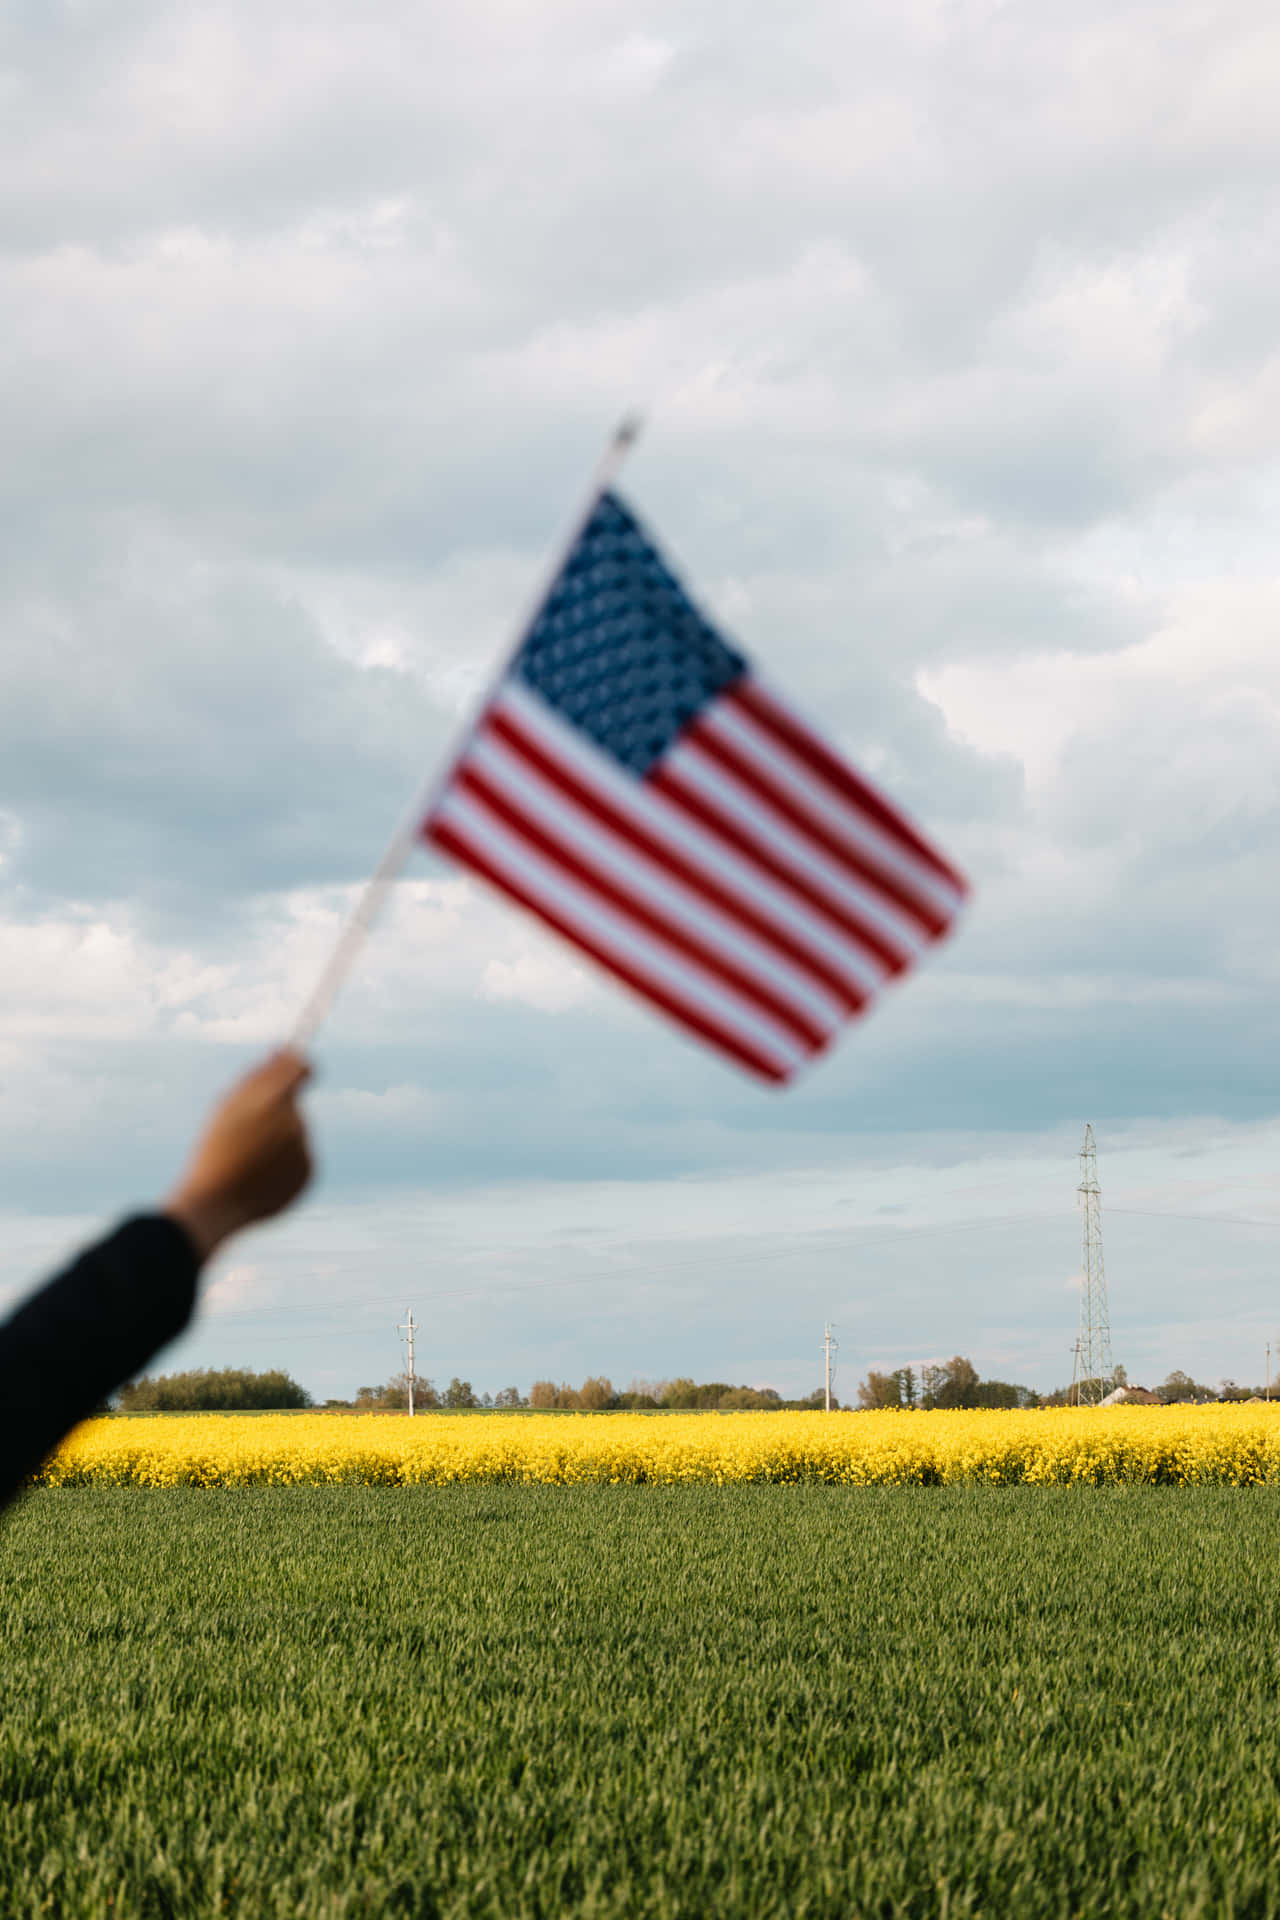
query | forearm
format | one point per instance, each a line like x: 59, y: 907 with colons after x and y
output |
x: 97, y: 1324
x: 86, y: 1332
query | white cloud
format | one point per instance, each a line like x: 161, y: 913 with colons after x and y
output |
x: 956, y: 324
x: 536, y: 978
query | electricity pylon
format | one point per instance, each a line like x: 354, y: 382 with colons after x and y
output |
x: 1095, y: 1320
x: 409, y: 1326
x: 831, y: 1345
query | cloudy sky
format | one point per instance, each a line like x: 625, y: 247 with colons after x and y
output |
x: 957, y: 329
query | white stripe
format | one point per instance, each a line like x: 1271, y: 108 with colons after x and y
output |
x: 530, y: 871
x: 716, y: 784
x: 568, y: 825
x: 956, y: 889
x: 651, y: 810
x: 844, y: 821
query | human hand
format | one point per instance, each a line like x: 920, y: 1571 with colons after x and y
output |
x: 252, y: 1159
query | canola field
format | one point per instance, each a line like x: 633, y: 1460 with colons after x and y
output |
x: 1229, y: 1445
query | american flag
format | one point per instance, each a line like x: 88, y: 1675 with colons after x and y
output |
x: 634, y: 783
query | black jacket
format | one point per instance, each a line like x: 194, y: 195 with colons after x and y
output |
x: 90, y: 1329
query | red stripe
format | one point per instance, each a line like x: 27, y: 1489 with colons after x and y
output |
x: 656, y: 923
x: 868, y: 870
x: 669, y: 781
x: 848, y: 783
x: 851, y: 994
x: 447, y: 836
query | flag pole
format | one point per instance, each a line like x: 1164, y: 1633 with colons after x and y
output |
x: 367, y: 907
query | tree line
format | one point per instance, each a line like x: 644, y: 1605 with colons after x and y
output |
x: 949, y: 1383
x: 236, y: 1389
x: 957, y: 1383
x: 206, y: 1390
x: 597, y: 1395
x: 393, y: 1397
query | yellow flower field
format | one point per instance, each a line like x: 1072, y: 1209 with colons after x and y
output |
x: 1222, y: 1445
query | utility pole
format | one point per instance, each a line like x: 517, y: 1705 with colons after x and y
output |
x: 829, y: 1346
x: 408, y: 1328
x: 1095, y: 1318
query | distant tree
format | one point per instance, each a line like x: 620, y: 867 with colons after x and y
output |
x: 507, y: 1397
x: 901, y: 1388
x: 646, y: 1393
x: 596, y: 1393
x: 209, y: 1390
x: 1005, y: 1393
x: 750, y: 1400
x: 458, y: 1394
x: 706, y: 1395
x: 677, y: 1394
x: 542, y: 1393
x: 880, y: 1390
x: 1180, y: 1386
x: 567, y: 1397
x: 393, y: 1396
x: 953, y: 1384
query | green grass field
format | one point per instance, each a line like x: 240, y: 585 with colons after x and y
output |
x: 549, y: 1701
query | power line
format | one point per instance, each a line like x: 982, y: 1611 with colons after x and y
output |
x: 632, y: 1274
x: 1215, y: 1219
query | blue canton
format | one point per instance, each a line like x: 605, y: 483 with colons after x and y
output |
x: 619, y: 649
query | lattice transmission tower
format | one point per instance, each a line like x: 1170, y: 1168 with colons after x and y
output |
x: 1096, y: 1368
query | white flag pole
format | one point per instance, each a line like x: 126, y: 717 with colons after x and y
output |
x: 365, y: 912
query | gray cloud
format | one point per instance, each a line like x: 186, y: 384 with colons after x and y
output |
x: 958, y: 330
x: 179, y: 754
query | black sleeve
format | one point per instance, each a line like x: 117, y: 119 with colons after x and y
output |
x: 86, y: 1332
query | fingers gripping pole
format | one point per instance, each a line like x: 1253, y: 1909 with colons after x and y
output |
x: 365, y: 912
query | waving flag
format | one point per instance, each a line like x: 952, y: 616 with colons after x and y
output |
x: 634, y: 783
